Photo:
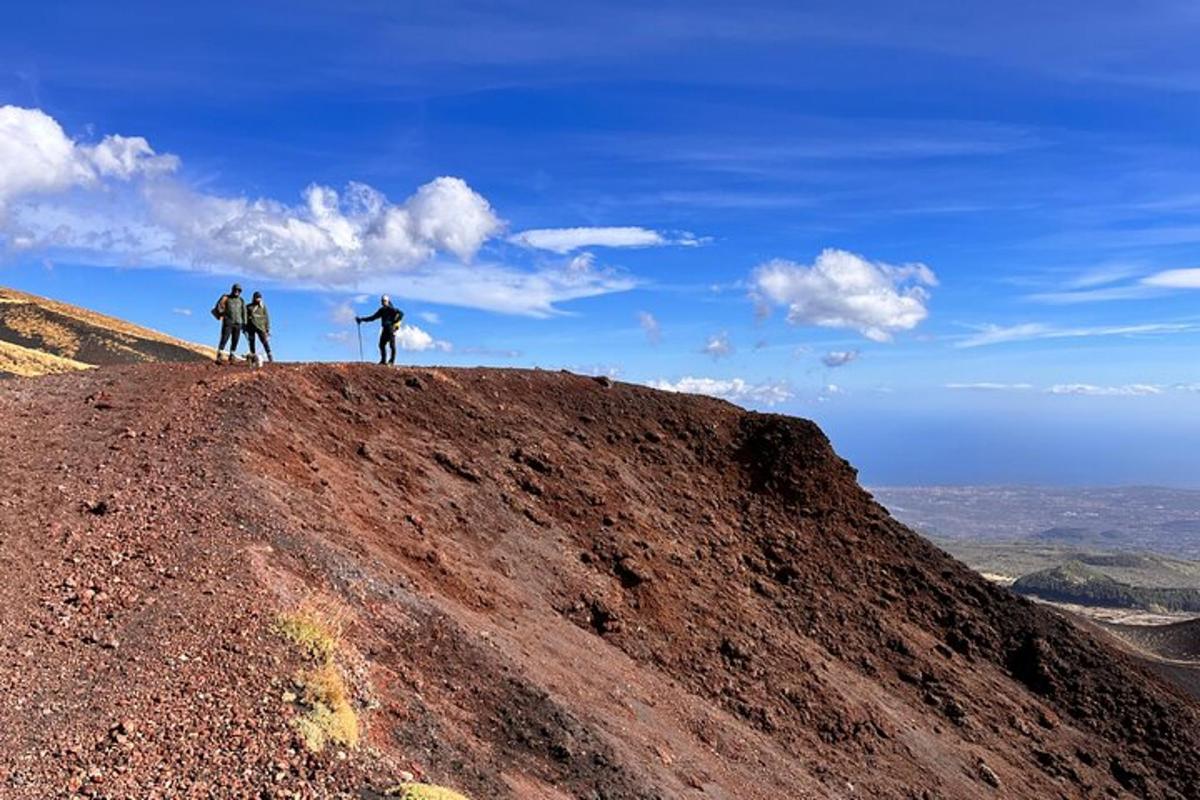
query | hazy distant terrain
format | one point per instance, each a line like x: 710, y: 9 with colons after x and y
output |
x: 1150, y: 519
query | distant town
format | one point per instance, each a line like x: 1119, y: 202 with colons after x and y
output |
x: 1150, y: 519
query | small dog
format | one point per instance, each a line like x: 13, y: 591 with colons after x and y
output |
x: 254, y: 360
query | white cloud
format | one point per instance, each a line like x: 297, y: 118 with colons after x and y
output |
x: 584, y: 262
x: 828, y: 392
x: 408, y: 337
x: 331, y: 239
x: 501, y: 288
x: 114, y: 203
x: 1097, y: 295
x: 735, y: 390
x: 183, y: 312
x: 717, y: 345
x: 412, y: 338
x: 431, y: 317
x: 564, y: 240
x: 844, y: 290
x: 650, y: 326
x: 1102, y: 285
x: 1090, y: 390
x: 37, y: 157
x: 1188, y: 278
x: 987, y: 386
x: 839, y: 358
x: 998, y: 334
x: 1103, y: 275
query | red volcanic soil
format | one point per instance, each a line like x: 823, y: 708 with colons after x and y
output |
x: 549, y: 586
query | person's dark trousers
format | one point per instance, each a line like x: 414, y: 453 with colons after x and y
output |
x: 230, y: 332
x: 254, y: 333
x: 387, y: 342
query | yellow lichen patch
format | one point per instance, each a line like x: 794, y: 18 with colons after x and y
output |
x: 328, y: 715
x: 424, y: 791
x: 314, y: 631
x: 24, y: 362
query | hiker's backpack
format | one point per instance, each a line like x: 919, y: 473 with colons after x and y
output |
x: 218, y: 311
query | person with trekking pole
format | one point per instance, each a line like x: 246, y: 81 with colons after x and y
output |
x: 258, y: 326
x: 231, y: 311
x: 389, y: 321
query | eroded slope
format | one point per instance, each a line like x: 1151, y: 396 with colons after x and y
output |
x: 547, y: 586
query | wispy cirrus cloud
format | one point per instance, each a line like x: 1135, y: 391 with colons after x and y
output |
x: 650, y: 326
x: 986, y: 335
x: 1074, y: 389
x: 1113, y: 283
x: 566, y: 240
x: 1092, y: 390
x: 990, y: 386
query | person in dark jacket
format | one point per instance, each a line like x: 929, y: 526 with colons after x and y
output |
x: 389, y: 320
x: 258, y: 325
x: 231, y: 311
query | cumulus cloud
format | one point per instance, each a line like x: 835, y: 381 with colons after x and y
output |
x: 413, y: 339
x: 844, y: 290
x: 717, y: 345
x: 115, y: 202
x: 37, y: 157
x: 564, y: 240
x: 839, y: 358
x: 1090, y: 390
x: 330, y: 238
x: 650, y: 327
x: 408, y: 337
x: 735, y: 390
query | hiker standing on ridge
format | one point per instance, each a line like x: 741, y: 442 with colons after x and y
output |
x: 258, y: 325
x: 231, y: 310
x: 389, y: 320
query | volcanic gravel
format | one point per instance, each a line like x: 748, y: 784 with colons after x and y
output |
x: 548, y: 586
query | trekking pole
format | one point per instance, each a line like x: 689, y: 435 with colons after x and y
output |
x: 360, y: 350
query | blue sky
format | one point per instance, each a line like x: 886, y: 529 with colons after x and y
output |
x: 964, y: 237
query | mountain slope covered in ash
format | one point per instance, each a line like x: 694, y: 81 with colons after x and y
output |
x: 39, y: 336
